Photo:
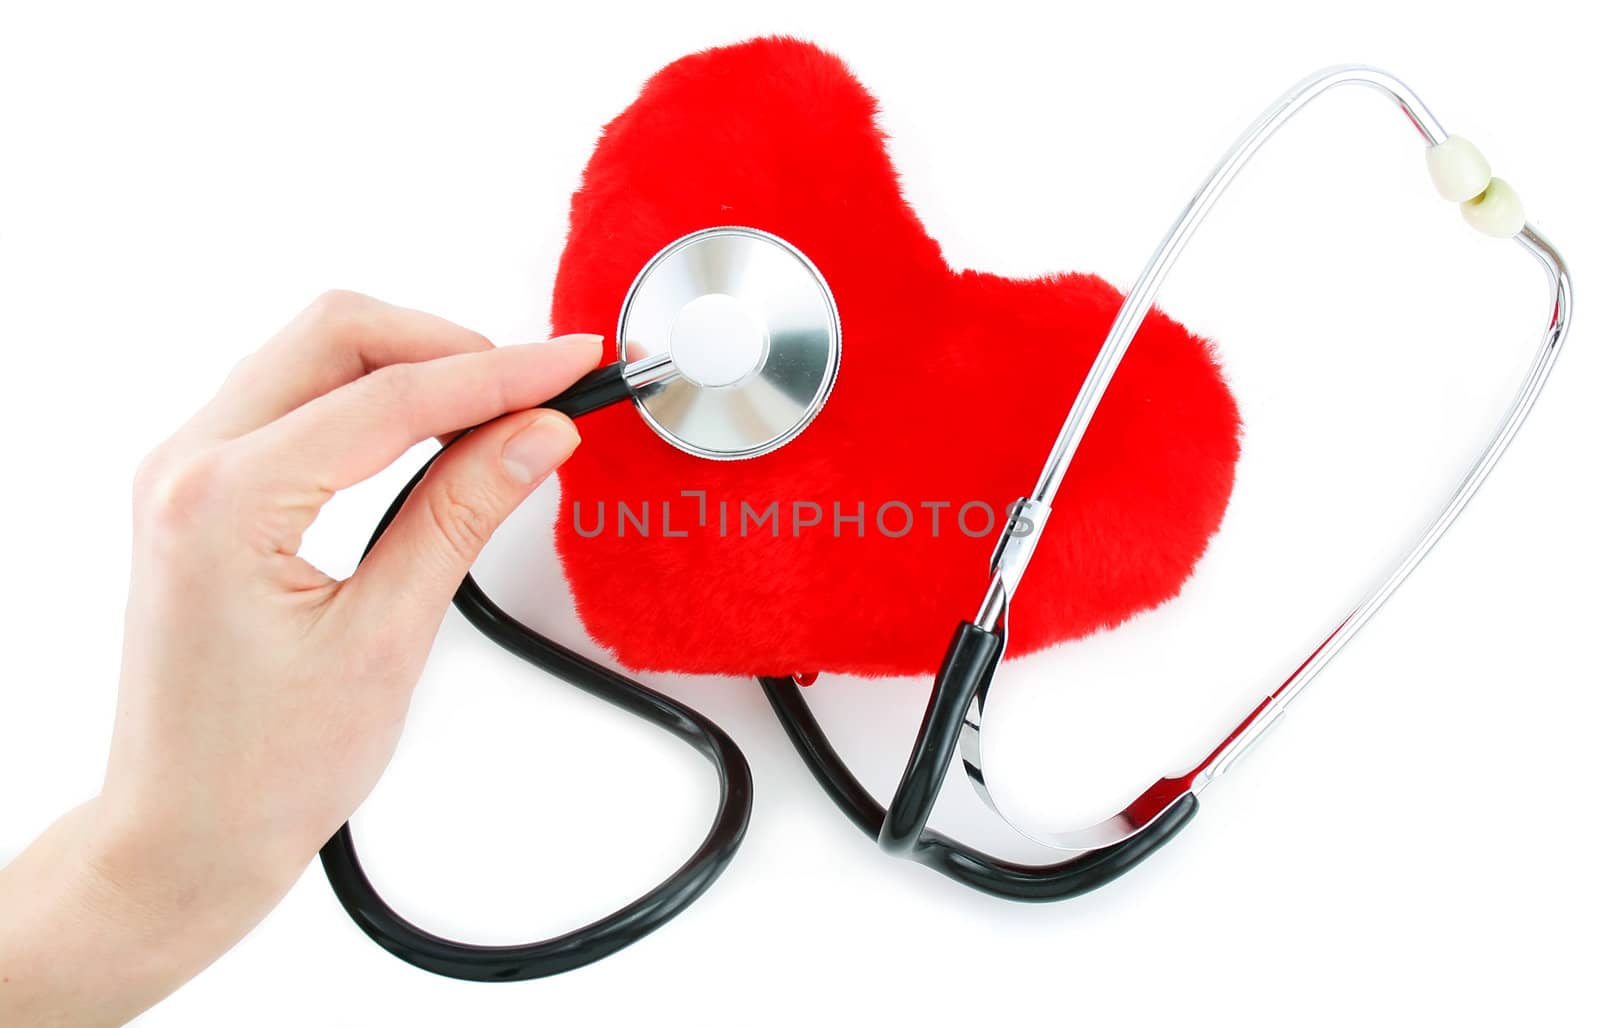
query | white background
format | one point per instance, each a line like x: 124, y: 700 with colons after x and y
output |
x: 1416, y: 841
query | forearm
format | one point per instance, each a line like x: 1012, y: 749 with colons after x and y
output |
x: 98, y: 925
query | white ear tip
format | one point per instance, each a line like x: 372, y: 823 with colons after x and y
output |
x: 1458, y: 170
x: 1497, y: 211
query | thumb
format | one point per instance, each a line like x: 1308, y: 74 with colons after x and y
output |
x: 471, y: 489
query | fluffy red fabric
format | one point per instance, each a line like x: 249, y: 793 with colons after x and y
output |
x: 951, y: 390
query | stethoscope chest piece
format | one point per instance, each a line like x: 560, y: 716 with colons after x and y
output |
x: 729, y: 340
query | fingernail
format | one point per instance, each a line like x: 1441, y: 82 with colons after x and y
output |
x: 539, y: 447
x: 579, y: 339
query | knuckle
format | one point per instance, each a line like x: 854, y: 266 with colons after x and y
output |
x: 393, y: 385
x: 149, y: 474
x: 463, y: 518
x: 337, y: 312
x: 174, y: 493
x: 336, y: 304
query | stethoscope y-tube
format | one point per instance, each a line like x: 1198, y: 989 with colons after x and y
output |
x: 1008, y: 879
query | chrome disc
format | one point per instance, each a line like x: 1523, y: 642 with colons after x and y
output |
x: 730, y: 342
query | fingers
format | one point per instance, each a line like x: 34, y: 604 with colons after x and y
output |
x: 350, y: 434
x: 411, y: 574
x: 338, y: 339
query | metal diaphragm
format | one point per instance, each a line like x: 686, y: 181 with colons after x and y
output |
x: 729, y: 339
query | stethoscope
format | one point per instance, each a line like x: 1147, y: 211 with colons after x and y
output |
x: 728, y: 347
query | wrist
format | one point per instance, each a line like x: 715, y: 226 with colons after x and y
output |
x: 104, y: 918
x: 176, y: 877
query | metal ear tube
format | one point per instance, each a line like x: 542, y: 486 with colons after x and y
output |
x: 954, y: 715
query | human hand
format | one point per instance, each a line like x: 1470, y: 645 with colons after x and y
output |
x: 261, y: 699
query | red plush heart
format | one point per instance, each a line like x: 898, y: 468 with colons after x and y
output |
x: 951, y: 389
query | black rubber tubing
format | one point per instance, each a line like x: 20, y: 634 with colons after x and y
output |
x: 632, y: 922
x: 902, y: 830
x: 969, y: 660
